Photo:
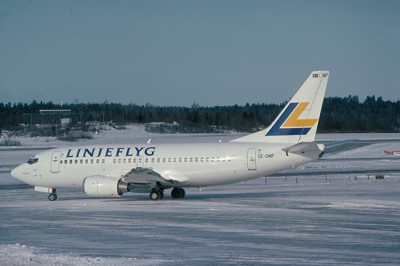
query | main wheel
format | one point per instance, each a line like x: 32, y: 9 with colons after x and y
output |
x: 177, y: 193
x: 52, y: 197
x: 156, y: 195
x: 183, y: 193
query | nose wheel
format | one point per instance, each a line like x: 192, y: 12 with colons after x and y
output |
x: 53, y: 196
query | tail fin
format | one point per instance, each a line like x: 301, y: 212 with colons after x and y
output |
x: 298, y: 121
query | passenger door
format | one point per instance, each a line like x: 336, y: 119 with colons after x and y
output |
x: 55, y: 162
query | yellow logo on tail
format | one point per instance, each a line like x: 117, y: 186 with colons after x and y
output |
x: 289, y: 122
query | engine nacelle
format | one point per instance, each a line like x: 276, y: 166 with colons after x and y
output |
x: 104, y: 186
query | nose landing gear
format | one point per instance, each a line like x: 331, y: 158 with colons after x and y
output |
x: 51, y: 191
x: 53, y: 195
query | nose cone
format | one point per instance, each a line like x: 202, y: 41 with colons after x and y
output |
x: 21, y: 173
x: 14, y: 172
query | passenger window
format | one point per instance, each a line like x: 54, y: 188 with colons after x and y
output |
x: 124, y: 160
x: 158, y: 160
x: 153, y: 160
x: 103, y: 160
x: 91, y: 161
x: 86, y: 161
x: 114, y: 160
x: 129, y: 160
x: 97, y: 160
x: 169, y: 160
x: 76, y: 161
x: 66, y: 162
x: 180, y: 160
x: 163, y: 160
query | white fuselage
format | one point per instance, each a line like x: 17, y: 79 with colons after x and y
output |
x: 192, y: 164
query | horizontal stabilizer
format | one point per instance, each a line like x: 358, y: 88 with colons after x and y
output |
x: 304, y: 147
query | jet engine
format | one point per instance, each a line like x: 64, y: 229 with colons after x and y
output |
x: 104, y: 186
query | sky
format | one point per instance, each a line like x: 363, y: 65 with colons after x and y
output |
x: 176, y: 53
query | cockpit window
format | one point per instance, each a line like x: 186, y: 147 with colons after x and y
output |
x: 33, y: 160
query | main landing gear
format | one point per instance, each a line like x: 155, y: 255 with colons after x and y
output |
x: 156, y: 194
x: 176, y: 193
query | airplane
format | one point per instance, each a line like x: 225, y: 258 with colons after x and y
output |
x: 113, y: 170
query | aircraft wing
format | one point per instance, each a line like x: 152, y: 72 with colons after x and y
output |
x: 147, y: 176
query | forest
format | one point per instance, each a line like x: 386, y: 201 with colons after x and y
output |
x: 339, y: 114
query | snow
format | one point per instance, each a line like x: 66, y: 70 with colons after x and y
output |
x: 332, y: 219
x: 352, y: 223
x: 23, y: 255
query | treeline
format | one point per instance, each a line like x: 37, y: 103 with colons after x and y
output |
x: 346, y: 114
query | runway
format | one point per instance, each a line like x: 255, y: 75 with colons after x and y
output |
x: 351, y: 223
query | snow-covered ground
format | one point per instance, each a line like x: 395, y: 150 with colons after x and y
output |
x: 322, y: 219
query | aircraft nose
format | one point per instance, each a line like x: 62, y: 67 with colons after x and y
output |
x: 14, y: 172
x: 19, y: 172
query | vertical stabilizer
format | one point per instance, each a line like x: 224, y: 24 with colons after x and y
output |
x: 298, y: 121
